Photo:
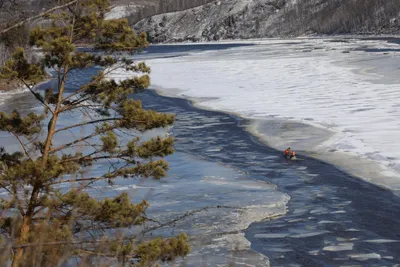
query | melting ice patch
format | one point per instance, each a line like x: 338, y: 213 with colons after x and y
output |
x: 382, y: 241
x: 365, y: 257
x: 324, y: 88
x: 225, y: 202
x: 339, y: 247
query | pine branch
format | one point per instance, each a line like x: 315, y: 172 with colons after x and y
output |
x: 37, y: 16
x: 90, y: 158
x: 98, y: 78
x: 76, y: 103
x: 92, y: 179
x: 112, y: 240
x: 79, y: 140
x: 77, y: 106
x: 36, y: 96
x: 5, y: 188
x: 85, y: 123
x: 80, y: 158
x: 22, y: 145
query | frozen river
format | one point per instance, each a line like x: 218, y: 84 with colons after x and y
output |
x: 258, y: 207
x: 345, y: 93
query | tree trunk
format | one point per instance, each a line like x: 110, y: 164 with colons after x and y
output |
x: 24, y: 234
x: 53, y: 121
x: 27, y: 218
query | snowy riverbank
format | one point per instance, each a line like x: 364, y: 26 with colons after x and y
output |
x: 347, y: 89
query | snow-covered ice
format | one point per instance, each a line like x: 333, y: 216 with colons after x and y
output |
x: 339, y: 247
x: 364, y: 257
x: 382, y: 241
x: 345, y: 104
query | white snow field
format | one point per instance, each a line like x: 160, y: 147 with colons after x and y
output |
x: 326, y: 98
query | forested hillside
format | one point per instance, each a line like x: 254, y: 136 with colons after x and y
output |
x: 154, y: 7
x: 195, y: 20
x: 343, y: 16
x: 233, y: 19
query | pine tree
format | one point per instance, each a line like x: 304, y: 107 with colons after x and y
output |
x: 42, y: 225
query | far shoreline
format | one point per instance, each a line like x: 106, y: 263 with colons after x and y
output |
x: 386, y: 37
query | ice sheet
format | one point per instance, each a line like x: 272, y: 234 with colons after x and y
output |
x: 311, y: 83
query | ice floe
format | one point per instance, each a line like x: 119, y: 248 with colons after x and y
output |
x: 339, y: 247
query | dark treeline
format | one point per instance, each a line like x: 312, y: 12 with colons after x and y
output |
x: 165, y: 6
x: 343, y: 16
x: 11, y: 11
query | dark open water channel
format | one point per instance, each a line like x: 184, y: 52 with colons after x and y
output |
x: 333, y: 219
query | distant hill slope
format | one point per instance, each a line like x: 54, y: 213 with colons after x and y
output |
x: 140, y: 9
x: 234, y: 19
x: 195, y: 20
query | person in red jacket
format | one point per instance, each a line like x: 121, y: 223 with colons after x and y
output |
x: 293, y: 155
x: 287, y: 152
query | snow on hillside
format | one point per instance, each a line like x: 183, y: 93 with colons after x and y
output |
x: 123, y: 11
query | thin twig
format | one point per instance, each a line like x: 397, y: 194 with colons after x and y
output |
x: 92, y: 179
x: 85, y: 123
x: 22, y: 145
x: 35, y: 95
x: 37, y: 16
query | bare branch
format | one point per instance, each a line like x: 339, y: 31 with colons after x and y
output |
x: 92, y: 179
x: 187, y: 214
x: 36, y: 96
x: 84, y: 124
x: 82, y: 89
x: 79, y: 140
x: 38, y: 16
x: 5, y: 188
x: 22, y: 145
